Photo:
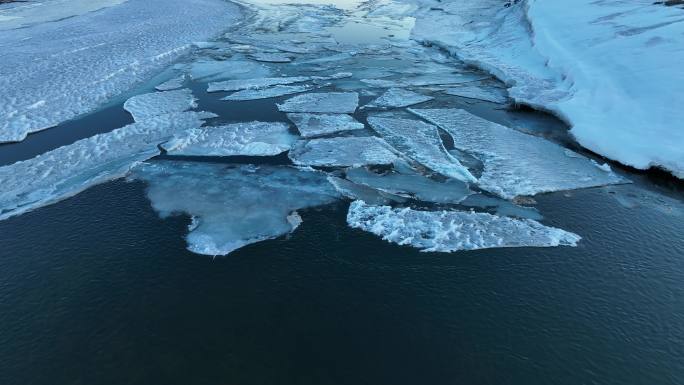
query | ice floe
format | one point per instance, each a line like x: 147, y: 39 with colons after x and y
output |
x: 325, y: 102
x: 233, y: 205
x: 145, y: 106
x: 238, y: 139
x: 310, y: 125
x: 265, y: 93
x: 342, y: 152
x: 255, y: 83
x: 398, y: 97
x: 421, y: 142
x: 369, y: 195
x: 516, y: 163
x: 213, y: 70
x: 480, y: 92
x: 449, y: 231
x: 171, y: 84
x: 271, y: 57
x: 68, y: 170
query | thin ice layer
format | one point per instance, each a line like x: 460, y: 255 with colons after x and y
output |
x: 310, y: 125
x: 171, y: 84
x: 212, y: 70
x: 246, y: 139
x: 265, y: 93
x: 325, y: 102
x: 233, y: 205
x: 421, y: 142
x: 68, y: 170
x: 480, y: 92
x: 449, y: 231
x: 342, y: 152
x: 516, y: 163
x: 355, y: 191
x: 253, y: 84
x: 146, y: 106
x: 272, y: 57
x: 398, y: 97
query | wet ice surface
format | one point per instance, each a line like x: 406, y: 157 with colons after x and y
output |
x: 252, y: 84
x: 449, y: 231
x: 310, y: 125
x: 341, y: 152
x: 146, y: 106
x: 233, y: 205
x: 266, y: 93
x: 488, y: 94
x: 330, y: 102
x: 398, y: 97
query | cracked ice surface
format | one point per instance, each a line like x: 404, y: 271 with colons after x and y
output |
x: 398, y: 97
x: 248, y: 139
x: 516, y: 163
x: 53, y: 72
x: 68, y: 170
x: 146, y: 106
x: 480, y: 92
x: 341, y: 152
x: 310, y: 125
x: 449, y: 231
x: 325, y: 102
x: 251, y: 84
x: 421, y: 142
x: 233, y: 205
x: 265, y: 93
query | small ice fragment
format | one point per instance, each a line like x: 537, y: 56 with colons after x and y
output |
x: 145, y: 106
x: 238, y: 139
x: 480, y: 92
x: 342, y: 152
x: 326, y: 102
x: 449, y: 231
x: 310, y: 125
x: 421, y: 142
x: 171, y: 84
x: 265, y: 93
x: 271, y: 57
x: 398, y: 97
x: 251, y: 84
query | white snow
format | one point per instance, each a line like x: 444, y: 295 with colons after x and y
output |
x: 449, y: 231
x: 516, y: 163
x: 68, y: 170
x: 421, y: 142
x: 310, y: 125
x: 247, y: 139
x: 146, y: 106
x: 233, y: 205
x: 265, y: 93
x: 74, y: 65
x: 325, y: 102
x: 398, y: 97
x: 342, y: 152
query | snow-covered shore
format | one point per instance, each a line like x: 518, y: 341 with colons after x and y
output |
x: 56, y: 67
x: 610, y: 69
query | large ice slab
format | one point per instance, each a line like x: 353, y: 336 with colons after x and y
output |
x: 324, y: 102
x: 68, y: 170
x: 421, y: 142
x: 233, y: 205
x: 516, y: 163
x: 246, y: 139
x: 310, y: 125
x: 265, y: 93
x: 398, y: 97
x: 449, y: 231
x: 146, y: 106
x: 251, y: 84
x: 342, y: 152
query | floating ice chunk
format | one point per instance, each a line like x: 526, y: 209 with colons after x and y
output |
x: 265, y: 93
x: 383, y: 83
x: 171, y: 84
x: 341, y: 152
x: 337, y: 75
x: 442, y: 78
x: 270, y: 57
x: 146, y: 106
x: 68, y: 170
x: 252, y: 84
x: 211, y: 70
x: 501, y: 207
x: 310, y: 125
x: 398, y: 97
x: 369, y: 195
x: 233, y: 206
x: 480, y: 92
x: 421, y: 142
x: 247, y: 139
x: 413, y: 185
x: 330, y: 102
x: 516, y: 163
x: 449, y: 231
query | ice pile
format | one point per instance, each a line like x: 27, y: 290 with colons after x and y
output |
x: 146, y: 106
x: 326, y: 102
x: 233, y: 205
x: 516, y: 163
x: 449, y: 231
x: 342, y: 152
x: 310, y: 125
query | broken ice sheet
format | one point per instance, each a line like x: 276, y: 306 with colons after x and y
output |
x: 449, y: 231
x: 233, y: 205
x: 516, y: 163
x: 238, y: 139
x: 480, y: 92
x: 398, y: 97
x: 413, y: 185
x: 271, y: 57
x: 171, y: 84
x: 145, y: 106
x: 421, y: 142
x: 501, y: 207
x: 254, y: 83
x: 342, y: 152
x: 265, y: 93
x: 66, y: 171
x: 212, y: 70
x: 324, y: 102
x: 310, y: 125
x: 369, y: 195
